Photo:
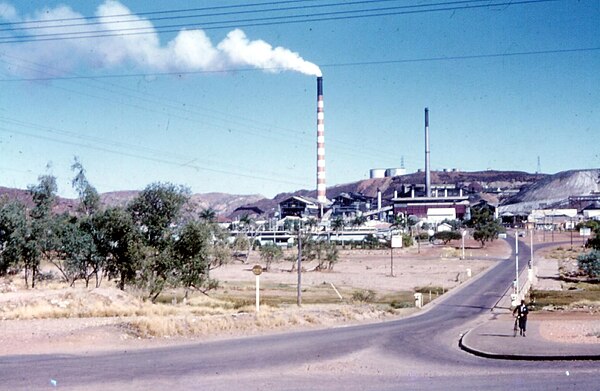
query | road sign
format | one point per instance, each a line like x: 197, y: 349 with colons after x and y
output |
x: 396, y: 241
x: 257, y: 270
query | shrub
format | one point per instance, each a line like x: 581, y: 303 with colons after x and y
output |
x: 407, y: 240
x: 364, y: 296
x: 371, y: 242
x: 447, y: 236
x: 590, y: 263
x: 423, y: 236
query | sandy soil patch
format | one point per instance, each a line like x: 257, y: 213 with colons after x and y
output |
x: 570, y: 327
x: 54, y: 319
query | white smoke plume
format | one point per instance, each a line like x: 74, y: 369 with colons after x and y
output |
x: 190, y: 50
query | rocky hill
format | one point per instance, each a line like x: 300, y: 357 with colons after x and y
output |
x: 223, y: 204
x: 554, y: 191
x: 477, y: 182
x: 534, y: 190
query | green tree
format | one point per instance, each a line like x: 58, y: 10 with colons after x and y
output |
x: 447, y: 236
x: 371, y: 241
x: 119, y: 242
x: 79, y: 243
x: 358, y: 221
x: 400, y: 222
x: 15, y: 243
x: 590, y: 263
x: 270, y: 253
x: 337, y: 225
x: 89, y: 199
x: 486, y: 227
x: 77, y: 255
x: 193, y: 256
x: 157, y: 211
x: 43, y: 195
x: 311, y: 223
x: 65, y: 257
x: 455, y: 224
x: 332, y: 255
x: 208, y: 215
x: 407, y: 240
x: 42, y: 238
x: 593, y: 243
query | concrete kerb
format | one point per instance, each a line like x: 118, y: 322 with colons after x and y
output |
x: 524, y: 357
x: 440, y: 300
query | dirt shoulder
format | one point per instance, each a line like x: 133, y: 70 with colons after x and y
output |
x: 569, y: 326
x: 55, y: 319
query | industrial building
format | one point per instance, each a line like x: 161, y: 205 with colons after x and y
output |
x: 297, y: 206
x: 444, y: 202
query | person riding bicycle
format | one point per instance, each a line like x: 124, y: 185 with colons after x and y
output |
x: 521, y: 312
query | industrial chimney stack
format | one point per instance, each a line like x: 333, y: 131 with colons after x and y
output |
x: 427, y: 167
x: 321, y: 185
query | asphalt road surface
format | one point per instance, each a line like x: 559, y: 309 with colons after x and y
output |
x: 416, y: 353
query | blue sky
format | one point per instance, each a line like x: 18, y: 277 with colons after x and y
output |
x: 504, y: 85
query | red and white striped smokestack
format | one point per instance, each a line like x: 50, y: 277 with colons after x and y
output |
x: 321, y: 184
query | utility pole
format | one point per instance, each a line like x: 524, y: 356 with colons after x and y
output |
x: 391, y: 259
x: 571, y: 228
x: 299, y: 267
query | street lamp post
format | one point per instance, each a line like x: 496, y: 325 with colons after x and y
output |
x: 530, y: 271
x: 517, y: 263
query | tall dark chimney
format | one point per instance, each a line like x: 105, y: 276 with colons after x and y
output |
x: 427, y: 167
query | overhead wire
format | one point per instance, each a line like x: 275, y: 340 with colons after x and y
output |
x: 171, y: 155
x: 389, y: 61
x: 151, y: 158
x: 265, y: 21
x: 56, y: 23
x: 231, y: 6
x: 242, y: 127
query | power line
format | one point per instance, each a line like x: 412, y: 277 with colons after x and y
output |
x: 263, y: 130
x: 329, y: 65
x: 204, y: 15
x: 151, y: 158
x: 162, y: 12
x: 256, y: 22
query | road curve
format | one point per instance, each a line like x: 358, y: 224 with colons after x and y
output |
x: 420, y: 352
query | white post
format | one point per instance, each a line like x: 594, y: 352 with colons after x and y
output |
x: 463, y: 233
x: 299, y: 293
x: 530, y: 271
x: 517, y: 263
x: 257, y: 293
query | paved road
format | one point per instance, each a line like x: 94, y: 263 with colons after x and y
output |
x: 414, y: 353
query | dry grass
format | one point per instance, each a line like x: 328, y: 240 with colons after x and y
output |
x: 80, y: 304
x: 230, y: 309
x: 567, y: 299
x: 200, y: 315
x: 268, y: 318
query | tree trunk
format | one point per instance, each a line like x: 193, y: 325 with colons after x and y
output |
x: 26, y: 277
x: 122, y: 282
